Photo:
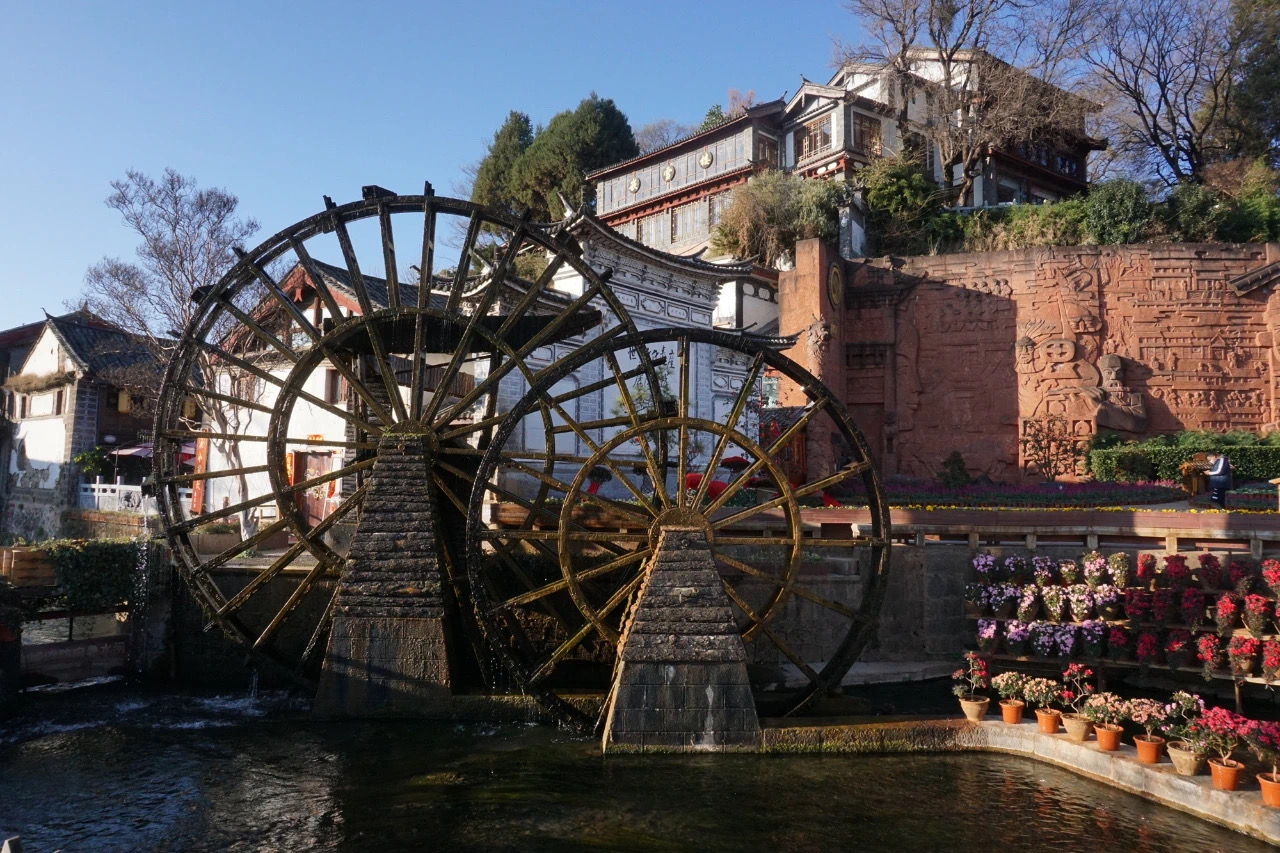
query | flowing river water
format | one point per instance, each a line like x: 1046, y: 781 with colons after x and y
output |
x: 124, y: 769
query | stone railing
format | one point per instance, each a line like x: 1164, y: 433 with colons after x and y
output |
x: 118, y: 497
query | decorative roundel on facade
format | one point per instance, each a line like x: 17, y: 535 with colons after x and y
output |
x: 706, y: 159
x: 835, y: 285
x: 633, y: 185
x: 668, y: 172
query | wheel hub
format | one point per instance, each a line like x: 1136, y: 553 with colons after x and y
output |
x: 679, y: 516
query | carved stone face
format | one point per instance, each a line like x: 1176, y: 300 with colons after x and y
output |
x: 1112, y: 368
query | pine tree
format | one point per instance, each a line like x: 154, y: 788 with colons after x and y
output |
x: 493, y: 174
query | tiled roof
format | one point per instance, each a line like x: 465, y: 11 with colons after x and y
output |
x: 100, y: 348
x: 339, y: 278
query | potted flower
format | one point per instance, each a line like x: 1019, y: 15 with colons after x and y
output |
x: 1029, y: 603
x: 1271, y: 575
x: 1178, y: 649
x: 1040, y: 694
x: 1186, y: 746
x: 1161, y: 605
x: 1137, y: 602
x: 1044, y: 571
x: 1210, y: 571
x: 1192, y: 607
x: 1271, y: 658
x: 1044, y: 639
x: 1016, y: 569
x: 1146, y: 570
x: 1003, y: 599
x: 1150, y: 715
x: 1176, y: 572
x: 987, y: 635
x: 1147, y: 649
x: 1095, y: 569
x: 1076, y: 689
x: 1242, y: 652
x: 598, y: 475
x: 1264, y: 742
x: 971, y: 678
x: 984, y: 564
x: 1054, y: 599
x: 1092, y: 632
x: 1106, y: 711
x: 1106, y: 600
x: 1257, y: 613
x: 1009, y: 685
x: 1118, y: 644
x: 1118, y: 564
x: 1225, y: 613
x: 1240, y: 574
x: 1065, y: 640
x: 1209, y: 651
x: 975, y: 599
x: 1223, y: 731
x: 1069, y: 571
x: 1017, y: 638
x: 1080, y: 600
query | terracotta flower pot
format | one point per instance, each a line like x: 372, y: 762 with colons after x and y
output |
x: 1048, y: 720
x: 1078, y: 727
x: 974, y: 707
x: 1149, y: 747
x: 1108, y: 736
x: 1186, y: 761
x: 1226, y: 775
x: 1011, y: 710
x: 1270, y: 784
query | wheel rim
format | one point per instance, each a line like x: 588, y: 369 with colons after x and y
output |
x: 381, y: 314
x: 597, y: 584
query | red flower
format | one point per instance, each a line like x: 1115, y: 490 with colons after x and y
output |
x: 1210, y: 570
x: 1161, y: 604
x: 1192, y: 607
x: 1146, y: 568
x: 1271, y: 572
x: 1256, y: 605
x: 1175, y: 569
x: 1243, y: 647
x: 1148, y: 647
x: 1271, y: 655
x: 1238, y: 571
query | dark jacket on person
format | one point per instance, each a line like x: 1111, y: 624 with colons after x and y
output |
x: 1220, y: 474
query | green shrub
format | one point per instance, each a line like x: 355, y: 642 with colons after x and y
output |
x: 1260, y: 462
x: 97, y: 573
x: 954, y: 474
x: 1193, y: 214
x: 1117, y: 212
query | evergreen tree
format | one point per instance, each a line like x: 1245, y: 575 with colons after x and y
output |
x: 526, y: 169
x: 715, y: 115
x: 493, y: 174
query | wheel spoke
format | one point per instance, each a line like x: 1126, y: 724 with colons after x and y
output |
x: 798, y: 591
x: 256, y: 328
x: 569, y: 645
x: 389, y: 257
x: 286, y: 559
x: 243, y: 545
x: 317, y: 280
x: 425, y: 273
x: 381, y: 363
x: 656, y: 473
x: 212, y: 475
x: 739, y: 403
x: 531, y: 295
x: 326, y: 618
x: 182, y: 435
x: 808, y: 671
x: 816, y: 486
x: 228, y: 399
x: 464, y: 264
x: 565, y: 488
x: 586, y: 574
x: 682, y: 411
x: 304, y: 586
x: 485, y: 301
x: 778, y: 443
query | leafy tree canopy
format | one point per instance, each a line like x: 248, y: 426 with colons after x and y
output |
x: 529, y: 169
x: 774, y: 210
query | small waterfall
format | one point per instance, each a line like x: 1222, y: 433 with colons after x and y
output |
x: 253, y: 684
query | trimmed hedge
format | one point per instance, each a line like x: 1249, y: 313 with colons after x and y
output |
x: 1133, y: 464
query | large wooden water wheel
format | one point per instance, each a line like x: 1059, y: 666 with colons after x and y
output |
x: 286, y: 341
x: 553, y: 581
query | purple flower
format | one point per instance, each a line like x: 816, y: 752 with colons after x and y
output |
x: 985, y: 565
x: 1017, y: 632
x: 987, y: 629
x: 1091, y: 631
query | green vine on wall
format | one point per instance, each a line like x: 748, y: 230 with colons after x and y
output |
x: 96, y: 574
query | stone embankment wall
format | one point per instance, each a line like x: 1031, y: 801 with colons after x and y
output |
x: 958, y: 352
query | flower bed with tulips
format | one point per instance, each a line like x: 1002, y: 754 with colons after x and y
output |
x: 1172, y: 611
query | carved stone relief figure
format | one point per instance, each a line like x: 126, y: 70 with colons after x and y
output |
x: 1120, y: 408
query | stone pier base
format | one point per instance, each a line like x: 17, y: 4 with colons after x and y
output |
x: 681, y: 683
x: 388, y: 654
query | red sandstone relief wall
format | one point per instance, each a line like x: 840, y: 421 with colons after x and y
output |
x: 956, y: 352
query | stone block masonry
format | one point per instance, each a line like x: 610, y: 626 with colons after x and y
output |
x: 388, y: 650
x: 681, y: 683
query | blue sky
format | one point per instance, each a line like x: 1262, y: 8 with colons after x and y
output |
x: 284, y: 103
